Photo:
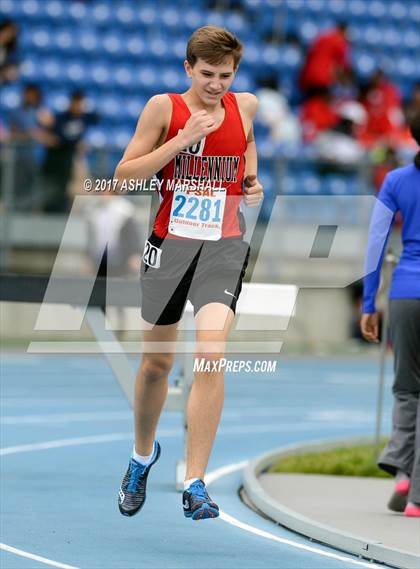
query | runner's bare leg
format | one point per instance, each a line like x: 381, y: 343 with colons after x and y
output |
x: 151, y: 387
x: 205, y: 403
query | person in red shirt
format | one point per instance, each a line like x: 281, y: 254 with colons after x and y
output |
x: 326, y: 57
x: 317, y: 114
x: 385, y: 119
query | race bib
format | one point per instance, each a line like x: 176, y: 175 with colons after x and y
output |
x: 197, y: 214
x: 151, y: 255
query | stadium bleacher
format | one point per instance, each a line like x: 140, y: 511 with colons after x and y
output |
x: 122, y: 52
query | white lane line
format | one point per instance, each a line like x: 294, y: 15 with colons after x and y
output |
x: 315, y: 417
x: 59, y: 443
x: 210, y: 478
x: 34, y: 557
x: 65, y: 417
x: 235, y: 430
x: 224, y: 471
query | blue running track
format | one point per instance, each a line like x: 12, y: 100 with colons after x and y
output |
x: 66, y: 441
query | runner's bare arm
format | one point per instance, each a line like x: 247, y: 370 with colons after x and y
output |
x: 142, y: 159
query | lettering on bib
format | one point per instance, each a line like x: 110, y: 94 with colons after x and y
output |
x: 197, y: 214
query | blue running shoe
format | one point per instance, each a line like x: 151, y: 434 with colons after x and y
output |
x: 132, y: 492
x: 197, y: 503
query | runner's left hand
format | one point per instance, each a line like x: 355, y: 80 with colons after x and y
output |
x: 253, y: 191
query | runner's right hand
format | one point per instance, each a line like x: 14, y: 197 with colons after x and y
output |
x: 199, y: 125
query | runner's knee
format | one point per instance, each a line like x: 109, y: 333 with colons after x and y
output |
x: 210, y: 351
x: 156, y: 367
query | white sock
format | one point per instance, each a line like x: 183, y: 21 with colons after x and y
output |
x: 188, y: 482
x: 144, y: 460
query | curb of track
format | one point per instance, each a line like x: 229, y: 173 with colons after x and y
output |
x: 354, y: 544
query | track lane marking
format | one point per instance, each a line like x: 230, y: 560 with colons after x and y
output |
x: 229, y: 469
x: 34, y: 557
x: 210, y: 478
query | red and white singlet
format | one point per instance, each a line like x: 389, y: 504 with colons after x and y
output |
x: 201, y: 188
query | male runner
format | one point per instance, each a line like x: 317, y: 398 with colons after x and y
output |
x: 200, y: 145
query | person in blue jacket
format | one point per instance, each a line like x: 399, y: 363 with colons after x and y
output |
x: 400, y: 192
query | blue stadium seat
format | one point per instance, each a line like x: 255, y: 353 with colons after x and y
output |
x: 372, y: 35
x: 158, y: 48
x: 96, y: 137
x: 122, y: 137
x: 147, y: 15
x: 31, y: 9
x: 289, y: 185
x: 111, y: 43
x: 42, y: 39
x: 29, y: 69
x: 101, y: 13
x: 397, y: 11
x: 357, y: 8
x: 64, y: 41
x: 170, y: 18
x: 100, y: 74
x: 310, y: 184
x: 10, y: 9
x: 309, y: 30
x: 135, y: 46
x: 88, y: 42
x: 57, y: 101
x: 243, y: 82
x: 364, y: 63
x: 411, y: 40
x: 109, y: 107
x: 125, y: 15
x: 123, y: 52
x: 148, y: 78
x: 54, y: 9
x: 193, y: 19
x: 52, y: 71
x: 77, y: 12
x: 123, y: 76
x: 338, y: 9
x: 11, y: 97
x: 237, y: 24
x: 76, y: 73
x: 172, y: 78
x: 134, y: 107
x: 377, y: 9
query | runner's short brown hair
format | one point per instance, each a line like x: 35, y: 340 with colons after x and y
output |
x: 213, y: 45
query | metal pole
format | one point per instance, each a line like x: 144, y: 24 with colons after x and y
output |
x: 8, y: 159
x: 389, y: 264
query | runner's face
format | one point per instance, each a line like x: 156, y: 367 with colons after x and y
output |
x: 211, y: 82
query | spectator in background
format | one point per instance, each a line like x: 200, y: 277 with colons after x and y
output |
x: 65, y: 141
x: 385, y: 119
x: 9, y: 60
x: 317, y: 114
x: 274, y: 112
x: 328, y: 56
x: 338, y: 148
x: 113, y: 241
x: 401, y: 456
x: 27, y: 124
